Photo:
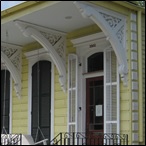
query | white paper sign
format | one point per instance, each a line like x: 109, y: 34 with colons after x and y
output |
x: 98, y: 110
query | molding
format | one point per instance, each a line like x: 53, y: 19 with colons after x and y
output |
x: 33, y: 58
x: 88, y: 39
x: 95, y: 74
x: 53, y: 43
x: 114, y: 27
x: 11, y: 57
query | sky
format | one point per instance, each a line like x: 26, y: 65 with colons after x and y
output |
x: 8, y: 4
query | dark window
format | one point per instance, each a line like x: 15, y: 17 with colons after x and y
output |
x: 5, y: 100
x: 41, y: 100
x: 95, y: 62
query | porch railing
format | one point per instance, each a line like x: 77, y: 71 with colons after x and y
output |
x: 81, y: 138
x: 11, y: 139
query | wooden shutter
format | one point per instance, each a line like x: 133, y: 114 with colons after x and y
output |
x: 72, y: 93
x: 5, y: 101
x: 41, y: 101
x: 111, y: 94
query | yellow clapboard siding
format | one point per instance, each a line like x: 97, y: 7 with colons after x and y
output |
x: 20, y: 115
x: 60, y: 121
x: 25, y: 76
x: 60, y: 95
x: 20, y: 107
x: 19, y: 129
x: 24, y: 61
x: 125, y: 106
x: 19, y: 122
x: 58, y: 87
x: 125, y: 125
x: 24, y: 84
x: 59, y: 129
x: 60, y: 103
x: 125, y: 114
x: 24, y: 92
x: 125, y: 95
x: 25, y: 69
x: 60, y: 112
x: 23, y: 100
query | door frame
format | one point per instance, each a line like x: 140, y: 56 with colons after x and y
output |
x: 84, y: 50
x: 32, y: 57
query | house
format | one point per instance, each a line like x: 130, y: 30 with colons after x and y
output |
x: 75, y: 67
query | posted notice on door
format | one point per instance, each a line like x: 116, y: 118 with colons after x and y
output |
x: 98, y: 110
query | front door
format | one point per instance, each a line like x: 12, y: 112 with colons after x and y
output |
x: 94, y: 110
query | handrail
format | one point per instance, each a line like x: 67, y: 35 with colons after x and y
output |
x: 94, y: 138
x: 11, y: 139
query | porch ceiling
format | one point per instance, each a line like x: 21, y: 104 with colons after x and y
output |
x: 56, y: 17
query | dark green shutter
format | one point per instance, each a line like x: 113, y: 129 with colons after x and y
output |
x: 43, y: 84
x: 5, y: 82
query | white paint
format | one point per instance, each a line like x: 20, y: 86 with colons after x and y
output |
x: 134, y: 75
x: 134, y: 46
x: 133, y: 16
x: 133, y: 26
x: 134, y: 56
x: 116, y: 35
x: 134, y: 95
x: 134, y: 116
x: 29, y: 31
x: 134, y: 106
x: 134, y: 85
x: 134, y: 65
x: 133, y: 36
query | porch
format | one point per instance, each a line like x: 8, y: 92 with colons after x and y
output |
x: 74, y: 138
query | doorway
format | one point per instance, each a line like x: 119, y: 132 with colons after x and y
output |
x: 94, y: 110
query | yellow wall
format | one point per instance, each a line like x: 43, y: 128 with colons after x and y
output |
x: 60, y: 107
x: 20, y: 106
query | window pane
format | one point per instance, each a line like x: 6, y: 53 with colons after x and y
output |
x: 95, y: 62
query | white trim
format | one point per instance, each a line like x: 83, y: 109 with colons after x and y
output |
x: 30, y: 31
x: 14, y: 72
x: 91, y: 75
x: 33, y: 57
x: 118, y: 101
x: 11, y: 106
x: 88, y: 39
x: 75, y: 89
x: 83, y: 52
x: 115, y: 33
x: 110, y: 84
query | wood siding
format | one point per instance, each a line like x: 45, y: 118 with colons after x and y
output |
x: 20, y: 106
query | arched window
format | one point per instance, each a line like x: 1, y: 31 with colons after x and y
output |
x: 95, y: 62
x: 41, y: 100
